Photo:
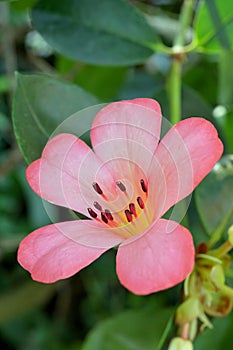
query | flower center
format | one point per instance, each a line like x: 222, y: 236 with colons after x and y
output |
x: 133, y: 218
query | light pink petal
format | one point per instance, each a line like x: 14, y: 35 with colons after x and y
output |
x: 156, y: 260
x: 182, y: 159
x: 125, y: 135
x: 66, y: 171
x: 58, y: 251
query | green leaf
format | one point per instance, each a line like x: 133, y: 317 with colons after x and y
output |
x: 225, y: 90
x: 228, y: 127
x: 106, y: 32
x: 140, y: 83
x: 214, y: 196
x: 214, y: 25
x: 131, y: 330
x: 22, y: 5
x: 41, y: 103
x: 218, y: 338
x: 18, y: 301
x: 103, y: 82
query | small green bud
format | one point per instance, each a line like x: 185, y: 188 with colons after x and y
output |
x: 230, y: 234
x: 217, y: 276
x: 180, y: 344
x: 188, y: 311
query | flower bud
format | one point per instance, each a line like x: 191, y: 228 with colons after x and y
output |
x: 188, y: 311
x: 230, y: 234
x: 217, y: 276
x: 180, y: 344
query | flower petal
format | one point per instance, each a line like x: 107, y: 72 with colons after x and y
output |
x: 58, y: 251
x: 183, y: 158
x: 157, y: 259
x: 126, y: 134
x: 65, y: 173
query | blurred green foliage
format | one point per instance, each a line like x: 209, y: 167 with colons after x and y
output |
x: 100, y: 51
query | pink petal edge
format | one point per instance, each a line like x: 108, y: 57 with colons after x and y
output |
x: 51, y: 253
x: 182, y: 159
x: 157, y: 260
x: 65, y: 173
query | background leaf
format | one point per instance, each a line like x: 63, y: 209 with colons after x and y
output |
x: 106, y: 32
x: 214, y: 25
x: 220, y: 337
x: 131, y: 330
x: 214, y: 195
x: 41, y: 103
x: 24, y: 298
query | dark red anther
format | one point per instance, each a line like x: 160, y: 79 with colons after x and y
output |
x: 132, y: 209
x: 128, y: 215
x: 108, y: 214
x: 104, y: 218
x: 97, y: 188
x: 121, y: 186
x: 140, y: 203
x: 143, y: 185
x: 97, y: 206
x: 92, y: 213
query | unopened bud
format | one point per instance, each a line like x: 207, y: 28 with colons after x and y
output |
x: 180, y: 344
x: 217, y: 276
x: 187, y: 311
x: 230, y: 234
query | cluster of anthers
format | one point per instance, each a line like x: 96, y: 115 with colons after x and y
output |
x: 129, y: 214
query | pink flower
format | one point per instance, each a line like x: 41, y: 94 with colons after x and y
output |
x: 125, y: 185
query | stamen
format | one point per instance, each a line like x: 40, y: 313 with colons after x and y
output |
x: 108, y: 214
x: 128, y: 215
x: 97, y: 206
x: 132, y: 209
x: 104, y: 218
x: 121, y: 186
x: 92, y: 213
x: 143, y: 185
x: 140, y: 203
x: 97, y: 188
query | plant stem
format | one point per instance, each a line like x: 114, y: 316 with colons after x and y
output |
x: 175, y: 74
x: 184, y: 20
x: 174, y: 90
x: 222, y: 250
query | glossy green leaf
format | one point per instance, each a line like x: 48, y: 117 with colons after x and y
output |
x: 103, y: 82
x: 214, y: 25
x: 132, y: 330
x: 18, y: 301
x: 218, y: 338
x: 214, y: 196
x: 40, y: 105
x: 106, y: 32
x: 228, y: 127
x: 22, y: 5
x: 225, y: 88
x: 140, y: 83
